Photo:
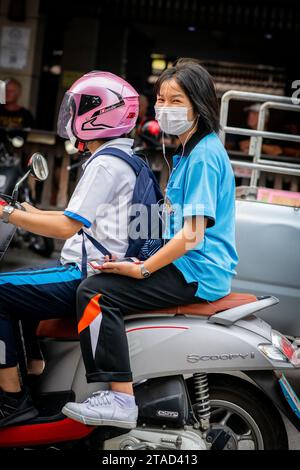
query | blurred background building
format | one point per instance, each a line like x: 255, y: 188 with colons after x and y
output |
x: 250, y: 45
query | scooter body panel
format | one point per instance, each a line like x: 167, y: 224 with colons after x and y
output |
x: 191, y: 345
x: 176, y: 345
x: 64, y: 369
x: 32, y: 435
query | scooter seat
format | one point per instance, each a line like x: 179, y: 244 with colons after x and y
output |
x: 67, y: 328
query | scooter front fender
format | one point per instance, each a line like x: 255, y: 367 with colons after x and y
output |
x: 269, y: 384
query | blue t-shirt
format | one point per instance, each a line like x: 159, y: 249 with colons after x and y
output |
x: 202, y: 183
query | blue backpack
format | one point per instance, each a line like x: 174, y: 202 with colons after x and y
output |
x: 148, y: 195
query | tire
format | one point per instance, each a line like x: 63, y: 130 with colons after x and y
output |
x: 42, y: 245
x: 249, y: 406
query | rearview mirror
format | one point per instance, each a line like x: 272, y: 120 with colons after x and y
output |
x: 38, y: 167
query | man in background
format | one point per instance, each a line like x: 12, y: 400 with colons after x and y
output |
x: 13, y: 115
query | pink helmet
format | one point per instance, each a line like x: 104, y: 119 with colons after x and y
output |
x: 99, y: 105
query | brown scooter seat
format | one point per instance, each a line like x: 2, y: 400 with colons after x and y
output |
x: 67, y: 328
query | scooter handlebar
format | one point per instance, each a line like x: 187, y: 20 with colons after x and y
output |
x: 5, y: 199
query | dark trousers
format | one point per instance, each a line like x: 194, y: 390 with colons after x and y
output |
x: 31, y: 295
x: 102, y: 302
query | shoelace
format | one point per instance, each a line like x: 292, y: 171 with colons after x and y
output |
x: 99, y: 399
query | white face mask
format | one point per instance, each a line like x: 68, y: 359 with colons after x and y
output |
x: 173, y: 120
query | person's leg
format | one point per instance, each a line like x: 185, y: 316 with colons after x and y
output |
x: 9, y: 378
x: 103, y: 300
x: 34, y: 355
x: 35, y: 367
x: 15, y: 403
x: 34, y: 294
x: 122, y: 387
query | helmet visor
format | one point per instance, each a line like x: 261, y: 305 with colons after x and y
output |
x: 66, y: 115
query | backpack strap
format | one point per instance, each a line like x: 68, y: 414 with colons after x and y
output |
x: 135, y: 163
x: 96, y: 244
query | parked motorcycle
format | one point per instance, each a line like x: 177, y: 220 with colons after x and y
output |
x: 207, y: 376
x: 10, y: 172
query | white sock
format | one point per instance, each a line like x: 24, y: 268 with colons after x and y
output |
x: 124, y: 399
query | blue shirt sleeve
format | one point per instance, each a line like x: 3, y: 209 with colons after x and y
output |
x: 201, y: 191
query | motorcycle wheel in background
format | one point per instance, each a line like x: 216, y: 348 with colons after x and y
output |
x: 41, y: 245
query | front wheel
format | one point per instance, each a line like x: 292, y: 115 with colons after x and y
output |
x: 245, y: 414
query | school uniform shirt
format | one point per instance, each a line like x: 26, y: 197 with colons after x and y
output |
x: 101, y: 201
x: 202, y: 184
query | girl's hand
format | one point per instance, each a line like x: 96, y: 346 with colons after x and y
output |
x: 124, y: 269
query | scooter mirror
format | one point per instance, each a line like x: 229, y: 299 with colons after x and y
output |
x: 38, y: 167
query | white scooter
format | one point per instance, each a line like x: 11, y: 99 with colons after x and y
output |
x: 207, y: 376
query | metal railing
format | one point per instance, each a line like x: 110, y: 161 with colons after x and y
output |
x: 256, y: 136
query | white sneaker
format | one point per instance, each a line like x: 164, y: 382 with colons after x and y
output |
x: 102, y: 409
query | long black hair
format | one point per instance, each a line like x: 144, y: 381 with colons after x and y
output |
x: 198, y: 85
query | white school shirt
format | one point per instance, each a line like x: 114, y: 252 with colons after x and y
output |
x: 101, y: 201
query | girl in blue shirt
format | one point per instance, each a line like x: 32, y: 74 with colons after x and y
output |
x: 197, y: 263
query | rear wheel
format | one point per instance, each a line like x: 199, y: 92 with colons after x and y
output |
x: 245, y: 414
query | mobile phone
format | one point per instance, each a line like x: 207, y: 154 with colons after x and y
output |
x: 97, y: 264
x: 128, y: 259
